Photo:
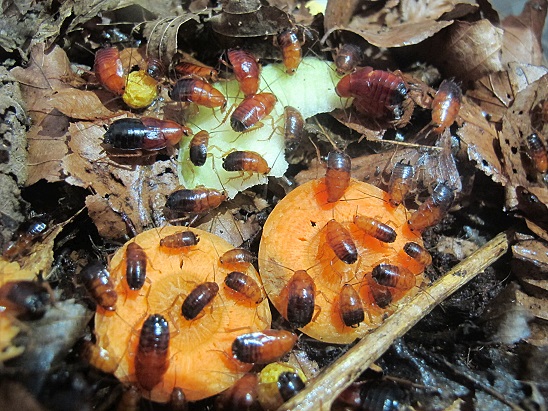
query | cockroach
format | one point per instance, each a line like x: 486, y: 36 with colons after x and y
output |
x: 377, y: 93
x: 301, y: 294
x: 155, y: 68
x: 246, y: 69
x: 136, y: 266
x: 237, y: 257
x: 251, y: 110
x: 130, y: 399
x: 244, y: 285
x: 340, y: 241
x: 263, y: 347
x: 198, y: 200
x: 26, y: 300
x: 446, y: 105
x: 418, y: 253
x: 99, y: 358
x: 25, y: 236
x: 180, y: 240
x: 198, y: 148
x: 347, y: 58
x: 178, y: 401
x: 533, y: 208
x: 99, y: 285
x: 402, y: 182
x: 380, y: 293
x: 198, y: 299
x: 243, y: 395
x: 289, y: 384
x: 337, y: 175
x: 109, y: 70
x: 433, y: 209
x: 350, y: 306
x: 248, y: 161
x: 195, y: 90
x: 293, y: 125
x: 151, y: 359
x: 381, y: 396
x: 190, y: 69
x: 537, y: 151
x: 375, y: 228
x: 393, y: 276
x: 145, y: 133
x: 290, y: 46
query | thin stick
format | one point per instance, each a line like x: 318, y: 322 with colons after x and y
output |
x: 321, y: 392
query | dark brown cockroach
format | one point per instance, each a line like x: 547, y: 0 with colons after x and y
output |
x: 178, y: 401
x: 537, y: 151
x: 180, y: 240
x: 377, y: 93
x: 337, y: 175
x: 198, y: 200
x: 145, y: 133
x: 290, y: 46
x: 245, y: 286
x: 347, y: 58
x: 195, y: 90
x: 533, y: 208
x: 243, y: 395
x: 198, y: 148
x: 381, y: 396
x: 130, y: 399
x: 252, y: 110
x: 99, y: 285
x: 155, y: 68
x: 293, y: 126
x: 340, y: 241
x: 237, y: 257
x: 289, y: 384
x: 152, y: 357
x: 26, y: 300
x: 418, y: 253
x: 247, y: 161
x: 136, y: 266
x: 402, y: 182
x: 98, y: 357
x: 109, y: 71
x: 301, y: 295
x: 375, y: 228
x: 25, y: 236
x: 382, y: 296
x: 433, y: 209
x: 350, y: 306
x: 393, y: 276
x: 198, y: 299
x: 446, y: 105
x: 246, y: 69
x: 185, y: 69
x: 263, y: 347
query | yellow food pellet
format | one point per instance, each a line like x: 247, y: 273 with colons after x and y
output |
x: 141, y: 90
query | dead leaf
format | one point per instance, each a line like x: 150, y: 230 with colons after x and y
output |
x: 109, y: 224
x: 80, y: 104
x: 523, y: 34
x: 466, y: 50
x: 163, y: 35
x: 265, y: 21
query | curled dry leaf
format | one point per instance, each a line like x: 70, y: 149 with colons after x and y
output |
x: 466, y: 50
x: 163, y: 35
x: 256, y: 21
x: 523, y: 34
x: 108, y: 223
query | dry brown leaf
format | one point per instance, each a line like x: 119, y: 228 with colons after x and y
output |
x: 108, y: 223
x: 523, y: 34
x: 163, y: 35
x: 481, y: 141
x: 139, y: 191
x: 466, y: 50
x: 80, y: 104
x: 516, y: 126
x: 258, y: 22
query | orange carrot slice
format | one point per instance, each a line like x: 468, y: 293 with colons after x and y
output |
x: 200, y: 357
x: 294, y: 238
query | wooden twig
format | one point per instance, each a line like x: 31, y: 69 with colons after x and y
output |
x: 322, y: 391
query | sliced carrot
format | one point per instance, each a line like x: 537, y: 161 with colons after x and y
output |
x: 200, y: 358
x: 294, y: 238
